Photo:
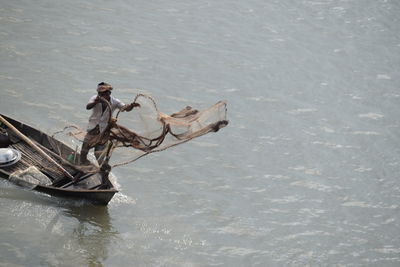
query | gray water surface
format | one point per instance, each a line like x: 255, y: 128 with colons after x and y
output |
x: 306, y: 174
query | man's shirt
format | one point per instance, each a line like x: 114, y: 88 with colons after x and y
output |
x: 99, y: 117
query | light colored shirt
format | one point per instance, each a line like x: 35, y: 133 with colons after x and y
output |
x: 99, y: 117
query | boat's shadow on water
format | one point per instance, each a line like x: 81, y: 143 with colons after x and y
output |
x: 90, y: 231
x: 92, y: 234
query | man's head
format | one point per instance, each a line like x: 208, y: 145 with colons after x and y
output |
x: 104, y: 89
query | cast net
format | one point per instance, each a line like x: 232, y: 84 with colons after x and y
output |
x: 146, y: 130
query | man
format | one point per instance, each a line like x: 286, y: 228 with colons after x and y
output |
x: 99, y: 119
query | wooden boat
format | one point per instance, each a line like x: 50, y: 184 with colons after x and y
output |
x: 92, y: 185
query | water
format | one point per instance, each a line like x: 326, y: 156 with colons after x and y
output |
x: 306, y: 174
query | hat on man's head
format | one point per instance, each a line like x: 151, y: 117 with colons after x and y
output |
x: 102, y: 87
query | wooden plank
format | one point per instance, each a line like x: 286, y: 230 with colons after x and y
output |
x: 4, y: 172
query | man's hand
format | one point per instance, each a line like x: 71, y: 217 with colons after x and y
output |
x: 134, y: 105
x: 129, y: 107
x: 91, y: 105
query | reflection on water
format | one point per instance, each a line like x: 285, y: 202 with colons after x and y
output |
x: 77, y: 232
x: 93, y: 232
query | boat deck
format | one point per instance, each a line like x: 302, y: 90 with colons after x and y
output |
x: 30, y: 157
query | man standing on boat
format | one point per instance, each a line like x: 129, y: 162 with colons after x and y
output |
x: 99, y: 120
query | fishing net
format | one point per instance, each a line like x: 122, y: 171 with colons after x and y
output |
x: 29, y: 177
x: 146, y: 130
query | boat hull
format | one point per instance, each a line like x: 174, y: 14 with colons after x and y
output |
x: 97, y: 197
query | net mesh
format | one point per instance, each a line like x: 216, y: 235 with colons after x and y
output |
x: 146, y: 130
